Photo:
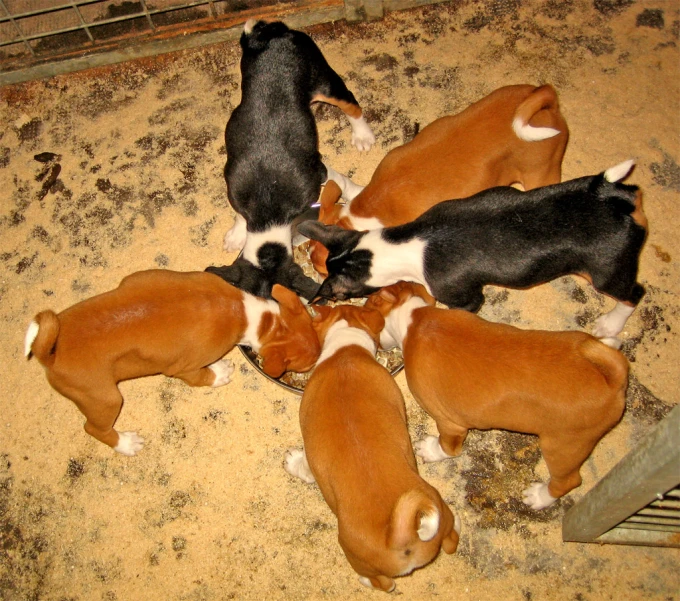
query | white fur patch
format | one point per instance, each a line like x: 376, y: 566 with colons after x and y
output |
x: 362, y: 135
x: 255, y: 307
x: 457, y: 524
x: 129, y: 443
x: 339, y: 335
x: 611, y: 324
x: 429, y: 524
x: 537, y: 496
x: 222, y: 370
x: 31, y: 335
x: 235, y: 238
x: 360, y: 224
x: 295, y: 463
x: 618, y: 172
x: 397, y: 323
x: 429, y: 450
x: 367, y: 582
x: 529, y: 133
x: 279, y: 234
x: 248, y: 27
x: 394, y: 262
x: 347, y: 186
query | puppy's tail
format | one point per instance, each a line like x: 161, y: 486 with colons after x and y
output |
x: 41, y: 337
x: 543, y: 98
x: 417, y: 517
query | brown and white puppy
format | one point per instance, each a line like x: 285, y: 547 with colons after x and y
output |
x: 567, y: 388
x: 163, y: 322
x: 515, y: 135
x: 357, y: 447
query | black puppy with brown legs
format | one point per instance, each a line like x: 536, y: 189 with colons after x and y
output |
x: 274, y: 170
x: 592, y: 226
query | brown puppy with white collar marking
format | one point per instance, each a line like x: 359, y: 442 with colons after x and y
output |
x: 567, y: 388
x: 357, y: 447
x: 163, y: 322
x: 515, y: 135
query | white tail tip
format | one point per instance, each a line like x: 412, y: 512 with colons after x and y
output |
x: 618, y: 172
x: 529, y: 133
x: 248, y: 27
x: 31, y: 335
x: 429, y: 524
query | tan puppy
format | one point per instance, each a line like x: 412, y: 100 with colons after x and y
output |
x: 357, y: 447
x: 515, y: 135
x: 565, y: 387
x: 163, y: 322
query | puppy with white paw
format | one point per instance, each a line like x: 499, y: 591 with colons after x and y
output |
x: 163, y: 322
x: 274, y: 170
x: 591, y: 226
x: 357, y: 448
x: 567, y: 388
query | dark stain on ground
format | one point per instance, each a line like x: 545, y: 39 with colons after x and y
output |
x: 611, y: 8
x: 666, y: 173
x: 643, y: 405
x: 650, y: 17
x: 491, y: 484
x: 75, y: 469
x: 653, y: 326
x: 382, y: 62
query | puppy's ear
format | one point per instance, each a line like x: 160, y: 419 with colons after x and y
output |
x: 422, y: 292
x: 273, y: 361
x: 372, y: 320
x: 287, y: 298
x: 320, y: 312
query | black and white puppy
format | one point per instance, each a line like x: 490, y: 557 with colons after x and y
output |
x: 274, y: 170
x: 591, y: 226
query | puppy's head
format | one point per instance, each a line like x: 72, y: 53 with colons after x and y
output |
x: 391, y: 297
x: 368, y: 320
x: 289, y: 342
x: 348, y: 267
x: 257, y: 34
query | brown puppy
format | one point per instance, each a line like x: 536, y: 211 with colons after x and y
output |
x: 357, y: 447
x: 515, y: 135
x: 565, y: 387
x: 163, y: 322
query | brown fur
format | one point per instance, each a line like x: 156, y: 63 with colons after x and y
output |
x: 567, y: 388
x: 357, y: 445
x: 459, y: 155
x: 160, y: 322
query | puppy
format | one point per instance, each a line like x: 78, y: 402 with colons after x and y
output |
x: 163, y: 322
x: 565, y: 387
x: 357, y: 447
x: 515, y: 135
x: 591, y: 226
x: 274, y: 170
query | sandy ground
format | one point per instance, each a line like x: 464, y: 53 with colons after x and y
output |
x: 206, y: 511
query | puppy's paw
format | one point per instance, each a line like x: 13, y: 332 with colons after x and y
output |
x: 222, y: 370
x: 295, y: 463
x: 430, y: 450
x: 537, y: 496
x: 362, y: 134
x: 388, y: 586
x: 129, y: 443
x: 235, y: 238
x: 610, y: 324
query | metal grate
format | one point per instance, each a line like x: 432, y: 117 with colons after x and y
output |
x: 638, y: 501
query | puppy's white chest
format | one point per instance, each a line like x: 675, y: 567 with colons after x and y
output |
x: 394, y: 262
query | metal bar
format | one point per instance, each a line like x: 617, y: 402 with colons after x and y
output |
x: 655, y: 527
x: 43, y: 11
x: 638, y: 519
x: 619, y: 536
x: 296, y: 14
x: 662, y: 513
x: 148, y: 16
x: 645, y: 474
x: 16, y: 26
x: 82, y: 22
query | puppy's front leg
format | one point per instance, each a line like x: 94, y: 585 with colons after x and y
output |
x: 296, y: 465
x: 235, y: 238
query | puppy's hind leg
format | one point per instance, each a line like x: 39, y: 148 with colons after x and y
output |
x: 216, y: 374
x: 331, y: 89
x: 235, y: 238
x: 295, y: 463
x: 347, y: 186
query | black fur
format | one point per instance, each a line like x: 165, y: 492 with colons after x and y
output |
x: 274, y: 170
x: 276, y: 266
x: 507, y: 238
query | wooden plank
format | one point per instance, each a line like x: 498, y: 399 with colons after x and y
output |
x: 645, y: 474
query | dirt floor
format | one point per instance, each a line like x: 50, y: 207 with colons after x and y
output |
x: 206, y: 511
